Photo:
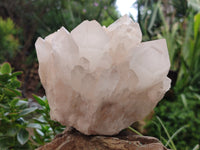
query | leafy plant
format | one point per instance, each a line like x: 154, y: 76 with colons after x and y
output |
x: 16, y: 120
x: 183, y: 112
x: 45, y: 128
x: 13, y: 112
x: 169, y: 142
x: 9, y: 45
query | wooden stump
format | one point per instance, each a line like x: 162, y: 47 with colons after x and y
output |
x: 71, y: 139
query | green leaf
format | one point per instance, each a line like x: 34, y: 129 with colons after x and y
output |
x: 196, y: 147
x: 4, y: 143
x: 41, y: 119
x: 16, y: 92
x: 16, y: 73
x: 39, y: 100
x: 135, y: 131
x: 12, y: 131
x: 175, y: 133
x: 34, y: 125
x: 22, y: 102
x: 40, y: 132
x: 4, y: 78
x: 4, y: 106
x: 196, y: 25
x: 15, y: 83
x: 195, y: 4
x: 14, y: 102
x: 153, y: 18
x: 167, y: 133
x: 22, y: 136
x: 37, y: 138
x: 183, y: 98
x: 27, y: 111
x: 20, y: 121
x: 5, y: 68
x: 197, y: 96
x: 9, y: 92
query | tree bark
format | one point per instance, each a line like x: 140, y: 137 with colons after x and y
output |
x: 71, y: 139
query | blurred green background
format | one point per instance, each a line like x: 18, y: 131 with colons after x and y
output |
x: 24, y: 118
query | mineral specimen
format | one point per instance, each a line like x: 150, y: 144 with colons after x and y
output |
x: 100, y: 80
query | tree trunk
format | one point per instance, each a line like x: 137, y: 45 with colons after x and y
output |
x: 71, y: 139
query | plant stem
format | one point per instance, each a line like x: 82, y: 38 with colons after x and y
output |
x: 130, y: 128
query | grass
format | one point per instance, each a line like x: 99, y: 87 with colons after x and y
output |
x: 168, y: 143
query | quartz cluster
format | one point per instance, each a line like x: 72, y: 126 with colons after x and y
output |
x: 100, y: 80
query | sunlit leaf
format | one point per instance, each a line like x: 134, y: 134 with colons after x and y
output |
x: 27, y: 111
x: 34, y: 125
x: 5, y: 68
x: 22, y: 136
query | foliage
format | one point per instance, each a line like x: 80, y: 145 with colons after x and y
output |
x: 183, y: 111
x: 156, y: 14
x: 8, y: 43
x: 71, y: 13
x: 13, y: 112
x: 181, y: 104
x: 170, y: 141
x: 16, y: 120
x: 45, y: 128
x: 52, y: 15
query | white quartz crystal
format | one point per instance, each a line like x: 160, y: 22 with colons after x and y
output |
x: 100, y: 80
